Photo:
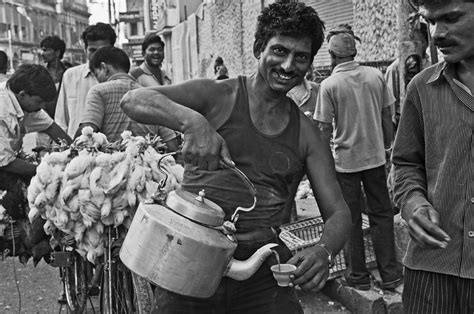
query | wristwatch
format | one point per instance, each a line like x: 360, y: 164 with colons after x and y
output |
x: 331, y: 257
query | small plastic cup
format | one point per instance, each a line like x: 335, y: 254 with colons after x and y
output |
x: 282, y: 273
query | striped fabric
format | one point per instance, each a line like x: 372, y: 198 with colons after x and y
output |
x: 103, y: 110
x: 426, y: 292
x: 434, y: 164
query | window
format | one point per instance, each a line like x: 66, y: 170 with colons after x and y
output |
x: 15, y: 32
x: 3, y: 30
x: 133, y: 29
x: 24, y: 35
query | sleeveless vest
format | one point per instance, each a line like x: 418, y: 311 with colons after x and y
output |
x: 272, y: 163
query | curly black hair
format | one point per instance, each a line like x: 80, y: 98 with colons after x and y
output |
x: 289, y: 19
x: 99, y: 31
x: 152, y: 38
x: 35, y: 80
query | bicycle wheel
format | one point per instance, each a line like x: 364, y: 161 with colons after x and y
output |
x: 130, y: 292
x: 75, y: 284
x: 121, y: 290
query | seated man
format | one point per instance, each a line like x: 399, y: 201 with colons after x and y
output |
x: 22, y: 100
x: 110, y: 66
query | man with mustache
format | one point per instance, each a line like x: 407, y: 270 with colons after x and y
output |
x: 356, y: 98
x: 250, y: 122
x: 434, y: 167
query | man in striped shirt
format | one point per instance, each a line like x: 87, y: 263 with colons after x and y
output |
x: 434, y: 168
x: 110, y: 65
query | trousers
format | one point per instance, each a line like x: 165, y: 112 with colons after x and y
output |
x: 14, y: 201
x: 380, y: 213
x: 428, y: 292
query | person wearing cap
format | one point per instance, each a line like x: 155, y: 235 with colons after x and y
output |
x: 357, y: 100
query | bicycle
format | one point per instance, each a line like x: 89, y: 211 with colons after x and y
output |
x: 119, y: 289
x: 73, y: 271
x: 122, y: 291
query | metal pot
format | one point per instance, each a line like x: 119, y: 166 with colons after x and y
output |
x: 185, y: 246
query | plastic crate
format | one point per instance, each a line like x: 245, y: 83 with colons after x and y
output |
x: 302, y: 234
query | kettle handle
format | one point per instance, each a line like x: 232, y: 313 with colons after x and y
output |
x: 237, y: 171
x: 251, y: 187
x: 162, y: 182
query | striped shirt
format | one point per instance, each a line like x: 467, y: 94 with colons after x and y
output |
x: 103, y: 110
x: 434, y: 164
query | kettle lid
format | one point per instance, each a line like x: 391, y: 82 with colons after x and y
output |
x: 195, y: 207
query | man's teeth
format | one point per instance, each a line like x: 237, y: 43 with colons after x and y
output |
x: 283, y: 76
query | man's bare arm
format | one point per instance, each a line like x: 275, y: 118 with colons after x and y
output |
x: 313, y: 270
x: 203, y: 146
x: 56, y: 133
x: 20, y: 167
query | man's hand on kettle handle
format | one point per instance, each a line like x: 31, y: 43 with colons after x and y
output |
x: 312, y: 269
x: 203, y: 146
x: 424, y: 228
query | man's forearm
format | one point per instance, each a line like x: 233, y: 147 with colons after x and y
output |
x: 336, y: 229
x: 57, y: 134
x: 20, y: 167
x: 150, y: 107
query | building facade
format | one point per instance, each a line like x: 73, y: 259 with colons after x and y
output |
x: 196, y: 32
x: 23, y: 23
x: 161, y: 16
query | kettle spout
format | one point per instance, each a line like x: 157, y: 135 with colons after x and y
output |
x: 242, y: 270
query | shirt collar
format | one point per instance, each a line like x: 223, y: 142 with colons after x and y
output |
x: 85, y: 72
x: 346, y: 66
x: 442, y: 67
x: 119, y: 76
x: 146, y: 68
x: 16, y: 105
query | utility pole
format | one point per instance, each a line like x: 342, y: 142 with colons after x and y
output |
x: 110, y: 12
x: 409, y: 39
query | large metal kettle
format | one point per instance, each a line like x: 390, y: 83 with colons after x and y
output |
x: 185, y: 246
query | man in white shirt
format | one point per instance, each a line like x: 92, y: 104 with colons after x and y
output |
x: 78, y: 80
x: 22, y: 100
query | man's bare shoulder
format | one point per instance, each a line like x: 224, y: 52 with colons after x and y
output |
x: 310, y: 134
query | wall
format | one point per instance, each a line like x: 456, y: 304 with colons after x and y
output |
x: 332, y: 13
x: 226, y: 28
x: 375, y: 21
x: 219, y: 34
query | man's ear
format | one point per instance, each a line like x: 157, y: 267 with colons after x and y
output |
x: 104, y: 66
x: 256, y: 50
x: 22, y: 94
